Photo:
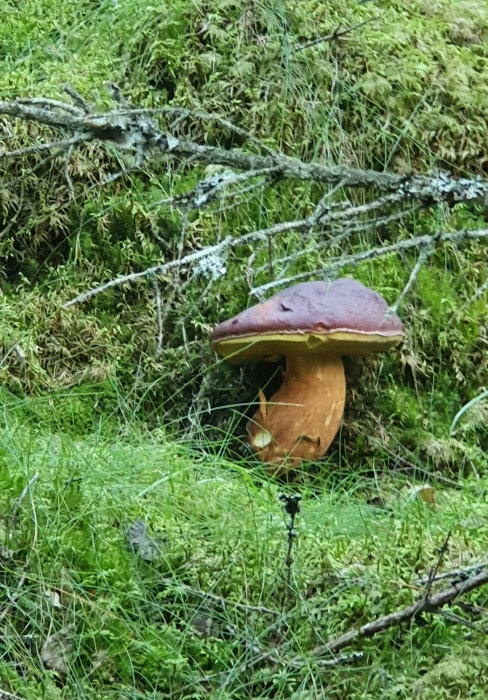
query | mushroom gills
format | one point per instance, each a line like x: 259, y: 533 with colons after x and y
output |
x: 302, y: 418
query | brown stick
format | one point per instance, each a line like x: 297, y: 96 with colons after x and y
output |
x: 431, y: 604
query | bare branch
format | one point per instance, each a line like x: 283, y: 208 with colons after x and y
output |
x: 216, y: 251
x: 222, y: 602
x: 338, y: 239
x: 425, y: 253
x: 133, y: 129
x: 55, y: 104
x: 214, y: 185
x: 67, y: 175
x: 155, y: 270
x: 82, y: 105
x: 5, y: 695
x: 159, y: 318
x: 456, y: 574
x: 433, y: 572
x: 137, y: 130
x: 44, y: 112
x: 406, y: 244
x: 479, y: 292
x: 426, y: 604
x: 410, y: 467
x: 39, y: 148
x: 184, y: 113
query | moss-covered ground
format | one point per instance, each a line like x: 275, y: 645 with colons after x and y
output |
x: 113, y: 436
x: 85, y: 613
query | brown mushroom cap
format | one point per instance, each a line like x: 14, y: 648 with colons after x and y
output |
x: 342, y: 317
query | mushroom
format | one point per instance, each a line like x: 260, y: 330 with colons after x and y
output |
x: 312, y: 325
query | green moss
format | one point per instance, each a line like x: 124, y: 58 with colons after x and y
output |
x: 143, y: 627
x: 407, y: 91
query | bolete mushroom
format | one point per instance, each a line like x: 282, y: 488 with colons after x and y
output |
x: 312, y: 325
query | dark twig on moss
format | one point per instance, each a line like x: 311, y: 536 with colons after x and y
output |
x: 433, y: 572
x: 456, y: 575
x: 458, y: 619
x: 83, y: 106
x: 280, y: 660
x: 159, y: 318
x: 274, y: 659
x: 12, y: 597
x: 406, y: 465
x: 18, y: 502
x: 58, y: 146
x: 219, y: 600
x: 429, y: 604
x: 333, y: 36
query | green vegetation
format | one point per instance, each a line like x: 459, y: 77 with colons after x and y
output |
x: 122, y: 622
x: 117, y: 431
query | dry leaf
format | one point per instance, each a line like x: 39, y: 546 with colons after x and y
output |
x: 57, y: 649
x: 145, y: 546
x: 424, y: 493
x: 53, y: 597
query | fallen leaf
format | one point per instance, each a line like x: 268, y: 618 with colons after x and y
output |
x: 147, y: 547
x: 57, y: 649
x: 424, y: 493
x: 53, y: 597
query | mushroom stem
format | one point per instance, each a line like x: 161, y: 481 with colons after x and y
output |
x: 302, y: 418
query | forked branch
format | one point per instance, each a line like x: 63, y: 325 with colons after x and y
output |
x: 151, y: 133
x: 429, y: 604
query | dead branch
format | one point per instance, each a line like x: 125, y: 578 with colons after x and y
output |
x: 159, y: 317
x: 39, y: 148
x: 135, y: 129
x: 222, y: 602
x: 207, y: 252
x: 213, y: 256
x: 430, y: 604
x: 433, y: 572
x: 333, y: 36
x: 140, y: 131
x: 403, y: 464
x: 18, y: 502
x: 5, y: 695
x: 330, y: 270
x: 456, y: 574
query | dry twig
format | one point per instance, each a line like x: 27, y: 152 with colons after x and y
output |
x: 426, y: 604
x: 19, y: 500
x: 135, y: 129
x: 222, y: 602
x: 139, y: 131
x: 5, y: 695
x: 333, y: 36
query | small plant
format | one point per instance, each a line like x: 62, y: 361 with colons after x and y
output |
x: 291, y: 506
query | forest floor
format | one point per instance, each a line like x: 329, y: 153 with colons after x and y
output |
x: 136, y: 568
x: 144, y: 555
